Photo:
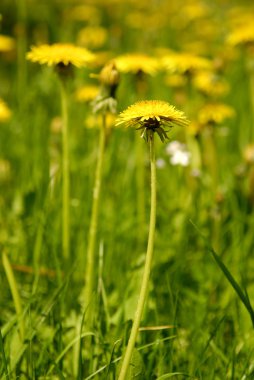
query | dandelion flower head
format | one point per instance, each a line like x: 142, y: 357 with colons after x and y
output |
x: 92, y: 36
x: 184, y: 63
x: 137, y: 62
x: 243, y: 35
x: 210, y: 84
x: 248, y: 154
x: 86, y: 93
x: 215, y: 113
x: 151, y: 116
x: 5, y: 112
x: 6, y: 43
x: 59, y: 53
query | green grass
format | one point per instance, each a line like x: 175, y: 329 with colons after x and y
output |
x: 202, y: 281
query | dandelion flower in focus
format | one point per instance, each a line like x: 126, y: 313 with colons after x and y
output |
x: 60, y: 54
x: 215, y: 113
x: 152, y: 116
x: 5, y: 112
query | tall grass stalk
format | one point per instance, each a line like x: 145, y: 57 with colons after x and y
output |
x: 90, y: 259
x: 147, y: 269
x: 65, y: 172
x: 15, y: 293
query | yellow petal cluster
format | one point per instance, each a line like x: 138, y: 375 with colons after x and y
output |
x: 136, y: 62
x: 145, y: 110
x: 215, y: 113
x: 5, y: 112
x: 210, y: 84
x: 185, y: 63
x: 92, y: 36
x: 60, y: 53
x: 242, y: 35
x: 6, y: 43
x: 86, y: 93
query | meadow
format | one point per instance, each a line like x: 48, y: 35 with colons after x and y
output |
x: 79, y: 195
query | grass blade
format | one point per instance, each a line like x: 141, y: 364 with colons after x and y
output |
x: 241, y: 294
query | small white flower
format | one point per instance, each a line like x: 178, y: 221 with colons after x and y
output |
x: 179, y: 155
x: 180, y: 158
x: 175, y: 146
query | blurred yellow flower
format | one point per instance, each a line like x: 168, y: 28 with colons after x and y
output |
x: 210, y: 84
x: 92, y: 121
x: 150, y: 115
x: 5, y: 112
x: 243, y: 35
x: 248, y: 154
x: 215, y: 113
x: 6, y: 43
x: 175, y: 80
x: 86, y: 93
x: 92, y: 36
x: 184, y: 63
x: 137, y: 62
x: 60, y: 53
x: 86, y: 12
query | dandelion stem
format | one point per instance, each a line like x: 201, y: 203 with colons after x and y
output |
x: 15, y: 293
x: 65, y: 173
x: 89, y: 278
x: 140, y: 180
x: 147, y: 269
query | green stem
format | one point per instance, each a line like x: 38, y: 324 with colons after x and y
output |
x: 65, y: 173
x: 89, y: 275
x: 21, y: 49
x: 140, y: 181
x: 250, y: 68
x: 15, y: 293
x: 147, y: 269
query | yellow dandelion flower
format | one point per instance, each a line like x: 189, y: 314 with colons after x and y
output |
x: 6, y: 43
x: 215, y: 113
x: 248, y: 154
x: 5, y: 112
x: 184, y: 63
x: 84, y: 13
x: 137, y: 62
x: 210, y: 84
x: 92, y: 36
x: 150, y: 116
x: 60, y: 54
x: 92, y: 121
x: 86, y: 93
x: 243, y: 35
x: 175, y: 80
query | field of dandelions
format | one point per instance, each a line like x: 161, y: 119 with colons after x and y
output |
x: 86, y: 89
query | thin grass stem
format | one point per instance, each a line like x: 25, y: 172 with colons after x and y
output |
x: 15, y: 293
x: 89, y: 274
